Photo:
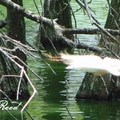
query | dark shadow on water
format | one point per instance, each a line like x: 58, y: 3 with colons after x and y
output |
x: 53, y: 85
x: 4, y: 115
x: 100, y: 110
x: 53, y: 116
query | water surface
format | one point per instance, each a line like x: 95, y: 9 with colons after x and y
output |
x: 56, y: 93
x: 56, y: 99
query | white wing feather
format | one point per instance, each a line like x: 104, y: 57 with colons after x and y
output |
x: 92, y: 63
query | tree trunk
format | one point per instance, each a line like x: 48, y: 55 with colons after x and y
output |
x: 94, y: 87
x: 16, y: 30
x: 113, y: 19
x: 113, y: 22
x: 16, y: 24
x: 105, y: 87
x: 55, y: 9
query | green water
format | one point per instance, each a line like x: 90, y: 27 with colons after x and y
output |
x: 56, y: 93
x: 56, y: 98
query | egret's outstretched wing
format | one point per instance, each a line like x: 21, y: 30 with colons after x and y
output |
x: 93, y: 64
x: 112, y: 65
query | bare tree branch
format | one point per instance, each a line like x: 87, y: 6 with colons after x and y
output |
x: 22, y: 73
x: 90, y: 31
x: 94, y: 21
x: 59, y: 30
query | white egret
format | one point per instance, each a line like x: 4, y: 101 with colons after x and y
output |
x: 92, y: 63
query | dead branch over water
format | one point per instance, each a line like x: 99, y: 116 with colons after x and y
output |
x: 60, y: 31
x: 7, y: 53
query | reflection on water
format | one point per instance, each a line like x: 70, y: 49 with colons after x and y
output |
x: 56, y: 97
x: 56, y: 94
x: 53, y: 85
x: 10, y: 115
x: 97, y: 110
